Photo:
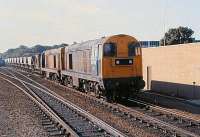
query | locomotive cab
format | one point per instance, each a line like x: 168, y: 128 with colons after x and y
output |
x: 122, y: 66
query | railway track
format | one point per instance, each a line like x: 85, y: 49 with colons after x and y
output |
x: 149, y: 120
x: 175, y: 118
x: 71, y: 119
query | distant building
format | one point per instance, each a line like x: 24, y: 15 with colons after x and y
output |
x: 146, y: 44
x: 197, y: 41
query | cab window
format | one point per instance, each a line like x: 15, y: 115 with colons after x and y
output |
x: 54, y: 61
x: 133, y: 49
x: 110, y: 50
x: 70, y: 62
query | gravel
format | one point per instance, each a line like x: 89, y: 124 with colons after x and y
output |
x: 17, y: 117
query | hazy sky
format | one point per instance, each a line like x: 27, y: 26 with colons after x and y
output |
x: 48, y: 22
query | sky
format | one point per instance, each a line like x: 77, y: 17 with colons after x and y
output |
x: 49, y: 22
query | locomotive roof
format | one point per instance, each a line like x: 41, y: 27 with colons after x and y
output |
x: 53, y: 51
x: 88, y: 43
x: 85, y: 44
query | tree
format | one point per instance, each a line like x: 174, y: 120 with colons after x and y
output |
x: 26, y: 51
x: 178, y: 35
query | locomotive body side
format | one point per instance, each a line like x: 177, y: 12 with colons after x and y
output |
x: 110, y: 66
x: 81, y: 65
x: 51, y: 63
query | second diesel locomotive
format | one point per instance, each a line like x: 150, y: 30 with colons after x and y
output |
x: 109, y: 66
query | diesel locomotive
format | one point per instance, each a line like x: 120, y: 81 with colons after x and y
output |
x: 109, y: 66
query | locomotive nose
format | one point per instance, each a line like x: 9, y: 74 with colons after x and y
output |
x: 124, y: 83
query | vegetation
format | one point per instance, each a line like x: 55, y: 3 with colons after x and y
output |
x: 26, y: 51
x: 178, y: 35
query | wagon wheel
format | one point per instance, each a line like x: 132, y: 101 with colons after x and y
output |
x: 98, y: 93
x: 109, y: 95
x: 70, y: 82
x: 56, y: 78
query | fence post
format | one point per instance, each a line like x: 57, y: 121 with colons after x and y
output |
x: 149, y: 74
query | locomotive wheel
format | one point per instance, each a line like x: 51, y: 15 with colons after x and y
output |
x: 57, y: 78
x: 116, y: 96
x: 111, y: 96
x: 54, y: 78
x: 97, y: 91
x: 65, y: 81
x: 70, y: 83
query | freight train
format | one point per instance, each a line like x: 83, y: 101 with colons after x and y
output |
x: 2, y: 62
x: 109, y: 66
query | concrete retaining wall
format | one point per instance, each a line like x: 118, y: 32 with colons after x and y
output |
x: 174, y: 70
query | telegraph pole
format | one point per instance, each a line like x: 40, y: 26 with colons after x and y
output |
x: 164, y: 19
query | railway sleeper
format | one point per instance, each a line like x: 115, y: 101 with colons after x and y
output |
x: 157, y: 114
x: 198, y: 125
x: 115, y: 109
x: 71, y: 116
x: 76, y: 120
x: 133, y: 118
x: 149, y: 124
x: 56, y: 133
x: 92, y: 134
x: 155, y: 126
x: 50, y: 126
x: 174, y: 134
x: 46, y: 120
x: 164, y: 131
x: 87, y: 129
x: 193, y: 124
x: 81, y: 124
x: 53, y: 129
x: 45, y: 117
x: 47, y: 123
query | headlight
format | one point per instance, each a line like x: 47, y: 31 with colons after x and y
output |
x: 130, y: 62
x: 117, y: 62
